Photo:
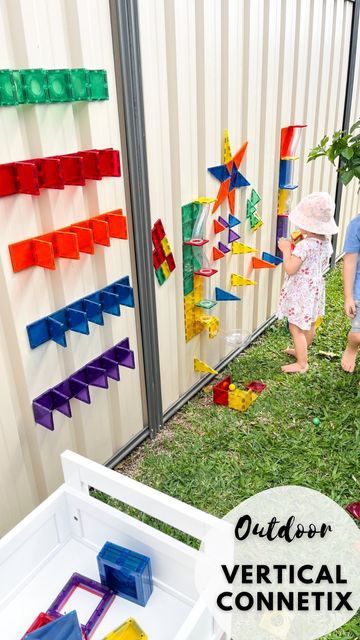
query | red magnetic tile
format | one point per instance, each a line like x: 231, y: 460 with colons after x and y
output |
x: 8, y: 179
x: 27, y: 178
x: 73, y: 170
x: 220, y: 396
x: 109, y: 163
x: 91, y: 160
x: 207, y: 273
x: 196, y: 242
x: 159, y: 228
x: 224, y: 383
x: 171, y: 262
x: 256, y: 386
x: 41, y: 620
x: 50, y: 173
x: 157, y: 259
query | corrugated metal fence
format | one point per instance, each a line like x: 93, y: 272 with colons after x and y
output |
x: 251, y: 67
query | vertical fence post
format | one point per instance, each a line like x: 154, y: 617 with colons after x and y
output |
x: 347, y: 107
x: 127, y: 57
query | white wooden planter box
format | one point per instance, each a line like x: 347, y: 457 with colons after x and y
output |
x: 64, y: 535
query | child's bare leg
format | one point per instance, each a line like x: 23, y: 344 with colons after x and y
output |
x: 301, y: 349
x: 310, y: 335
x: 348, y: 361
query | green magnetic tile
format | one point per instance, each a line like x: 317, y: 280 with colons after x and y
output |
x: 79, y: 84
x: 35, y: 85
x: 188, y: 270
x: 20, y: 96
x: 187, y: 230
x: 7, y: 88
x: 98, y: 85
x: 160, y: 275
x: 188, y: 285
x: 187, y: 253
x: 58, y: 81
x: 187, y: 213
x: 206, y: 304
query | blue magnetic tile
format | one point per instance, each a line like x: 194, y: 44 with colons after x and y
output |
x: 65, y: 628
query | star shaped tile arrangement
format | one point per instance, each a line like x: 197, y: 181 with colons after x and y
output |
x: 230, y: 178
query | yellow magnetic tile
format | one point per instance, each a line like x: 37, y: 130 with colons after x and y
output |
x: 166, y: 246
x: 130, y: 630
x: 165, y: 269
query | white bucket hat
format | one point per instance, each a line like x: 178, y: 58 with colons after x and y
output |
x: 315, y: 213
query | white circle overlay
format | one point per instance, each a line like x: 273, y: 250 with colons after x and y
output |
x: 285, y: 564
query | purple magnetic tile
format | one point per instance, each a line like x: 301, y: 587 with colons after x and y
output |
x: 46, y: 403
x: 282, y: 226
x: 233, y: 236
x: 223, y: 221
x: 223, y: 247
x: 94, y: 373
x: 110, y: 365
x: 43, y: 416
x: 91, y: 375
x: 126, y: 357
x: 79, y: 581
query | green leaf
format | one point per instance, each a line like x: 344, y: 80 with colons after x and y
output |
x: 332, y: 154
x: 357, y: 172
x: 346, y: 177
x: 324, y: 141
x: 356, y: 125
x: 347, y: 153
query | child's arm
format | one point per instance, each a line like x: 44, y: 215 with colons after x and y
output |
x: 349, y: 272
x: 291, y: 263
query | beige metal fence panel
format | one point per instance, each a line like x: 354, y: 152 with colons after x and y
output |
x: 252, y: 68
x: 60, y: 34
x: 350, y: 204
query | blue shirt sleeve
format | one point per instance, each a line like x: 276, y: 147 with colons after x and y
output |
x: 352, y: 239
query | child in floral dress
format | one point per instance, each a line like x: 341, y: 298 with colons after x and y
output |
x: 302, y: 298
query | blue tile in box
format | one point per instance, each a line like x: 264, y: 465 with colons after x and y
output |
x: 126, y: 572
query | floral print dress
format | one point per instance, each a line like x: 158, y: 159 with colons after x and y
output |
x: 302, y: 297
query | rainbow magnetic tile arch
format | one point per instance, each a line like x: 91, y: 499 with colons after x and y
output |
x: 95, y: 373
x: 56, y: 172
x: 68, y: 242
x: 77, y: 315
x: 36, y: 86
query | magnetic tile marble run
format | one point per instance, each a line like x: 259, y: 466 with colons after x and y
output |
x: 226, y: 394
x: 196, y: 320
x: 290, y: 138
x: 163, y: 259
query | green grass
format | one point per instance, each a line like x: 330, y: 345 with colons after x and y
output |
x: 213, y: 457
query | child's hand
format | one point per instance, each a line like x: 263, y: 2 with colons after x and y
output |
x: 284, y: 244
x: 350, y: 307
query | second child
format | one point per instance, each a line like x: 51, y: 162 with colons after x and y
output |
x: 302, y: 298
